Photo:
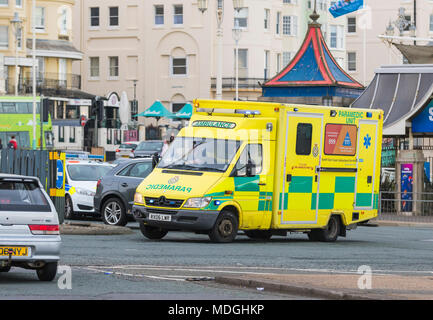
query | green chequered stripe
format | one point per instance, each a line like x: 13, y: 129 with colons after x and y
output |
x: 326, y: 201
x: 344, y: 184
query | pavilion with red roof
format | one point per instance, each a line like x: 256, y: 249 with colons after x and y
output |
x: 313, y: 76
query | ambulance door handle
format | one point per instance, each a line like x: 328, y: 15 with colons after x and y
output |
x: 262, y: 184
x: 289, y: 178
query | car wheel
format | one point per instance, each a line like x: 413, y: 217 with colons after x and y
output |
x: 69, y: 208
x: 47, y: 272
x: 225, y: 228
x: 259, y: 234
x: 5, y: 269
x: 153, y: 233
x: 114, y: 213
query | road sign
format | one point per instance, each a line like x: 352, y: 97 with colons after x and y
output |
x: 60, y: 174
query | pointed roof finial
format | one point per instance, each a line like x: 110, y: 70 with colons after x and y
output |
x: 315, y: 16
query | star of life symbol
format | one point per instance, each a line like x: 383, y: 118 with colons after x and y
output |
x: 367, y: 141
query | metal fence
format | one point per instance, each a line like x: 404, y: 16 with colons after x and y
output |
x: 413, y: 207
x: 36, y: 163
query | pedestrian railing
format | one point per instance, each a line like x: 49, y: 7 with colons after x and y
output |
x: 409, y: 206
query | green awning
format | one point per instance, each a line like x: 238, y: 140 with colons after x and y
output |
x: 185, y: 112
x: 156, y: 110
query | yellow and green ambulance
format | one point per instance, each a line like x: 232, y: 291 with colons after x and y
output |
x: 265, y: 169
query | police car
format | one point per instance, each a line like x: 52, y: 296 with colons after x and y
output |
x: 81, y: 177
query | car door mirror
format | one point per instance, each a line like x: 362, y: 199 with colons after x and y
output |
x: 250, y: 169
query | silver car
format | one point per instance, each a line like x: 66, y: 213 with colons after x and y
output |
x: 29, y: 227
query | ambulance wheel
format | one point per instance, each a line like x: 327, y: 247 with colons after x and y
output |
x: 259, y: 234
x: 329, y: 234
x: 152, y: 233
x: 114, y: 213
x: 69, y: 208
x: 225, y: 228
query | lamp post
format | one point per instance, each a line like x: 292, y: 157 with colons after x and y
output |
x: 17, y: 23
x: 203, y: 6
x: 34, y: 71
x: 237, y: 36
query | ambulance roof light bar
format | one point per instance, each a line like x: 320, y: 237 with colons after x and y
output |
x: 247, y: 113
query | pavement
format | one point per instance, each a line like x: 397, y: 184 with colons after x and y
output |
x: 335, y: 286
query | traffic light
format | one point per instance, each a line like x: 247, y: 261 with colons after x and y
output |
x: 45, y: 105
x: 100, y: 109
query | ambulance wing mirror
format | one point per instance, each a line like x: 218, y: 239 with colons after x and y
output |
x: 250, y: 169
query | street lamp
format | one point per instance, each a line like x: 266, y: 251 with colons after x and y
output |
x: 16, y: 23
x: 203, y: 6
x: 237, y: 32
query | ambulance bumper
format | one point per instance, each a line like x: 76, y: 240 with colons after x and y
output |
x: 193, y: 220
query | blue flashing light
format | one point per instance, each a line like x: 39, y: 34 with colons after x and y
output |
x: 217, y: 202
x: 369, y: 114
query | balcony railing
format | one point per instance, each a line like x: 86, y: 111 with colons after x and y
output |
x: 44, y: 81
x: 244, y: 83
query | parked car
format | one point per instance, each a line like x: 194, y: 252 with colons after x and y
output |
x: 125, y: 149
x: 115, y: 191
x: 80, y: 185
x: 146, y: 149
x: 29, y: 227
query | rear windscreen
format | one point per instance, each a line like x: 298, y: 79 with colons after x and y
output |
x: 22, y: 196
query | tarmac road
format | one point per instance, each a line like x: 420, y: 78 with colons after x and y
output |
x: 182, y: 265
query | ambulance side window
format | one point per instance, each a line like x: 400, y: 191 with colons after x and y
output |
x: 303, y: 139
x: 254, y: 153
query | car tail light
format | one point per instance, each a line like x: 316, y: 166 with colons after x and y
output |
x: 117, y: 150
x: 43, y: 229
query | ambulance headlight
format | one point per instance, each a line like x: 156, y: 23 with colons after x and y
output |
x: 138, y: 198
x: 197, y: 202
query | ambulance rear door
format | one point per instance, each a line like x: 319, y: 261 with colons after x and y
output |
x: 366, y: 164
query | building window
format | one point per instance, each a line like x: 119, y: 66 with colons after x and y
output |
x: 18, y: 3
x: 4, y: 3
x: 4, y: 37
x: 94, y: 67
x: 278, y: 62
x: 287, y: 57
x: 351, y: 25
x: 61, y: 134
x: 241, y: 18
x: 290, y: 25
x: 243, y: 63
x: 114, y: 67
x: 178, y: 67
x: 266, y: 64
x: 267, y: 16
x: 290, y: 1
x: 114, y: 16
x: 337, y: 37
x: 431, y: 23
x: 40, y: 18
x: 351, y: 61
x: 72, y: 134
x: 278, y: 23
x: 64, y: 22
x: 20, y: 38
x: 94, y: 17
x: 177, y: 106
x: 178, y: 14
x: 159, y: 14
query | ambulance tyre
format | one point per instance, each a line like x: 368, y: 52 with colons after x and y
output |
x: 259, y: 234
x: 152, y: 233
x: 329, y: 234
x: 225, y: 228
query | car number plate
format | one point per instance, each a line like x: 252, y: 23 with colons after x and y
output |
x: 16, y: 251
x: 159, y: 217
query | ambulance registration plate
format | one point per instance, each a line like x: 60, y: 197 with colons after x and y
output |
x: 16, y: 251
x: 159, y: 217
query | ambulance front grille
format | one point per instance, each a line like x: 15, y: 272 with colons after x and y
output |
x: 163, y: 202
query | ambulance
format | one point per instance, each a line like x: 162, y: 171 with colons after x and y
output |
x: 266, y: 169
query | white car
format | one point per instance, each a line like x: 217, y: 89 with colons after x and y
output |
x: 29, y: 227
x: 126, y: 148
x: 80, y: 185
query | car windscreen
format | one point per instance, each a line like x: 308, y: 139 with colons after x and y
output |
x: 22, y: 196
x: 127, y: 146
x: 200, y: 154
x: 149, y: 146
x: 86, y: 172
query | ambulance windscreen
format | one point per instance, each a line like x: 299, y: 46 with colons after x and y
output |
x: 200, y: 154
